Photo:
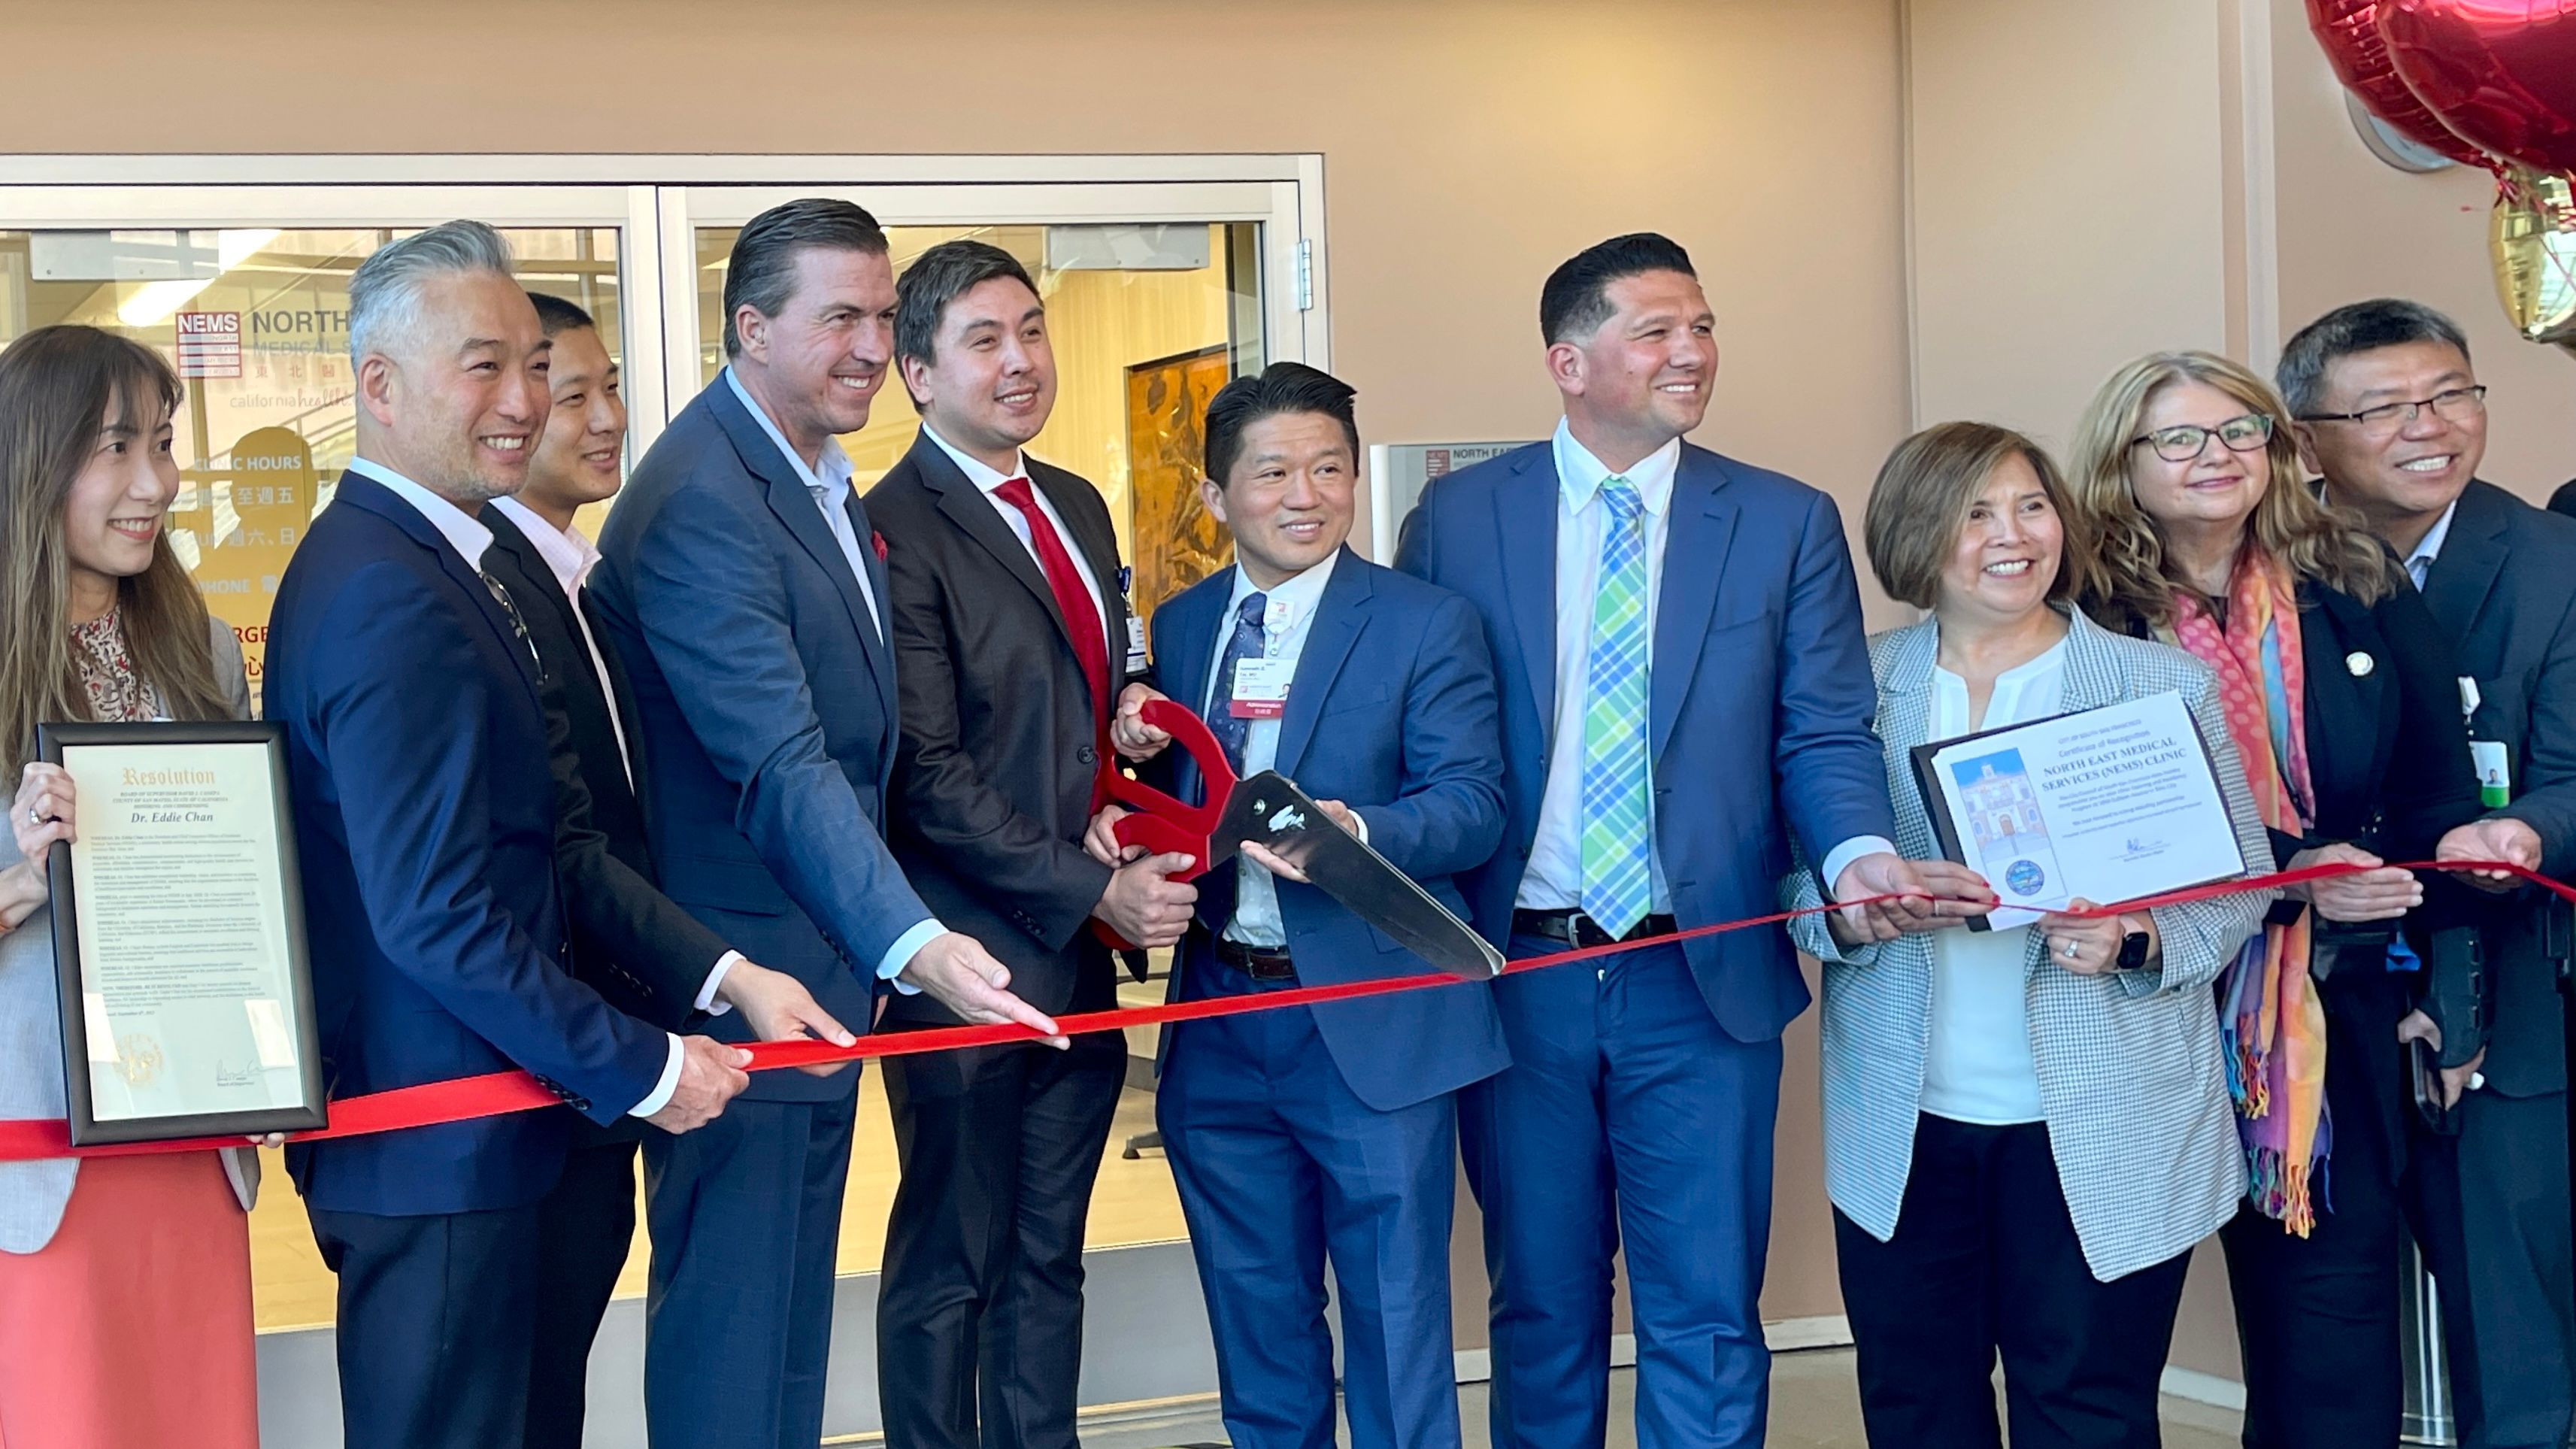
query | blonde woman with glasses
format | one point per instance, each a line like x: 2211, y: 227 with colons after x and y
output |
x: 2025, y: 1130
x: 2340, y: 695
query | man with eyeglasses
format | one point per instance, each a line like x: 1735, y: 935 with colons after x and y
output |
x: 2388, y: 412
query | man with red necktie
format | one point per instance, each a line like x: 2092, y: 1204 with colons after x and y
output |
x: 1012, y: 643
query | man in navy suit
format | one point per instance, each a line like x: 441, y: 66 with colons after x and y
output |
x: 449, y: 864
x: 741, y: 591
x: 1324, y: 1131
x: 1684, y: 684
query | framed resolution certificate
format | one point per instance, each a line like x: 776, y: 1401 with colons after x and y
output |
x: 187, y: 1001
x: 2109, y: 804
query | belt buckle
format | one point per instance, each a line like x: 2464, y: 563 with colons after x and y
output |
x: 1268, y: 966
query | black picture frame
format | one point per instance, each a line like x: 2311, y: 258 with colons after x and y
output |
x: 310, y: 1112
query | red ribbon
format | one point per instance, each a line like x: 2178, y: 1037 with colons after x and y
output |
x: 496, y: 1093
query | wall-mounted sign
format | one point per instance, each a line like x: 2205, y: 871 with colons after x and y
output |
x: 1397, y: 473
x: 210, y: 344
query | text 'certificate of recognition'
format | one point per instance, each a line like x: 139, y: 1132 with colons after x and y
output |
x: 2108, y: 804
x: 184, y: 956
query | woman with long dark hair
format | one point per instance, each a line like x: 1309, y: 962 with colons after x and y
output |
x: 125, y: 1312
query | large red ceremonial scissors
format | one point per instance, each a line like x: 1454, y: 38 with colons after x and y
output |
x: 1269, y: 808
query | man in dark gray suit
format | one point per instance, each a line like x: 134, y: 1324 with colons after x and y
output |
x: 2388, y: 411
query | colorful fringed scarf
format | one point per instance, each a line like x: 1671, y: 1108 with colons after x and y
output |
x: 2270, y: 1020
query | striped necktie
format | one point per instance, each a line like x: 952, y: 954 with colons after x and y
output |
x: 1617, y: 874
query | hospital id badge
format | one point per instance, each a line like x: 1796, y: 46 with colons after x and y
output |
x: 1260, y: 689
x: 2495, y: 772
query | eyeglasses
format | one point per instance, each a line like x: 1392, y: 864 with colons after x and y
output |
x: 2456, y: 405
x: 2182, y: 443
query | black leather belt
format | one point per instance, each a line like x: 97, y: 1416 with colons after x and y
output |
x: 1577, y: 929
x: 1258, y: 962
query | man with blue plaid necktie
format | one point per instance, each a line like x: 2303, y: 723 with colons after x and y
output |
x: 1685, y: 684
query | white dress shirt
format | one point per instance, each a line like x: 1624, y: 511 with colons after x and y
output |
x: 470, y: 539
x: 989, y: 483
x: 829, y: 485
x: 2428, y: 548
x: 1285, y: 622
x: 1555, y: 878
x: 833, y: 481
x: 1977, y: 1067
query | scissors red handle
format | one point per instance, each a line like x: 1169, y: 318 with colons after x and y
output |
x: 1160, y: 822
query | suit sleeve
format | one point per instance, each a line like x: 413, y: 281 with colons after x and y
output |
x: 1827, y: 766
x: 1414, y: 544
x: 401, y: 710
x: 1047, y: 882
x: 711, y: 604
x: 2546, y: 799
x: 615, y: 914
x: 1449, y: 816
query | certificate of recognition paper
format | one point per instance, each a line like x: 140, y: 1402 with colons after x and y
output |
x: 2109, y: 804
x: 179, y: 935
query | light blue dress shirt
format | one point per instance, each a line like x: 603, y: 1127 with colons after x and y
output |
x: 1554, y: 881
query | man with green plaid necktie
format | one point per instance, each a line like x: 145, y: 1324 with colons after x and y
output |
x: 1685, y: 686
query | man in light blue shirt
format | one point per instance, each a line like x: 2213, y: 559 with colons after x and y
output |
x: 1685, y: 684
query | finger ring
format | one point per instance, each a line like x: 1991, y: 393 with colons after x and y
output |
x: 2072, y: 950
x: 33, y: 818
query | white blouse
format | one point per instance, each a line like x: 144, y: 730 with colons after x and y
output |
x: 1979, y: 1067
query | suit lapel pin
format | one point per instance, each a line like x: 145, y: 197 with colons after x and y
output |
x: 2360, y: 663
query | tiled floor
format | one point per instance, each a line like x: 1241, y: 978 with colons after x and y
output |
x: 1813, y: 1406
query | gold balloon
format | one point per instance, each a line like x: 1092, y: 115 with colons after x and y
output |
x: 2532, y: 240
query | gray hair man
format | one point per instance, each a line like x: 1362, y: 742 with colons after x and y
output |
x: 450, y: 866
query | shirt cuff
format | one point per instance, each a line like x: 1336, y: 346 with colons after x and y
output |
x: 900, y: 954
x: 1849, y: 851
x: 1359, y: 826
x: 715, y: 979
x: 660, y: 1096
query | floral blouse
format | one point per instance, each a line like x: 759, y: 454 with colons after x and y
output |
x: 117, y: 693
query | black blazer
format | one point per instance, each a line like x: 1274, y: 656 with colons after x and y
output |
x: 2503, y: 590
x: 993, y: 776
x: 629, y: 943
x: 2388, y: 753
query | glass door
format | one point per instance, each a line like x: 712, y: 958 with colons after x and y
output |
x: 255, y: 316
x: 1156, y: 295
x: 1158, y: 290
x: 246, y: 291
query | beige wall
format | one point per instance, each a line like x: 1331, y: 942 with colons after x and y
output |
x: 2065, y: 214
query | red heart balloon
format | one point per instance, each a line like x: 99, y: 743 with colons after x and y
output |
x: 2349, y: 31
x: 2502, y: 73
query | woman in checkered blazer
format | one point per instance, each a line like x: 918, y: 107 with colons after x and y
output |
x: 2025, y: 1130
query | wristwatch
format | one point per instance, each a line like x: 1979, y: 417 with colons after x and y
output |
x: 2133, y: 949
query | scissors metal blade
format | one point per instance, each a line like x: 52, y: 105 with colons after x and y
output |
x: 1269, y: 810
